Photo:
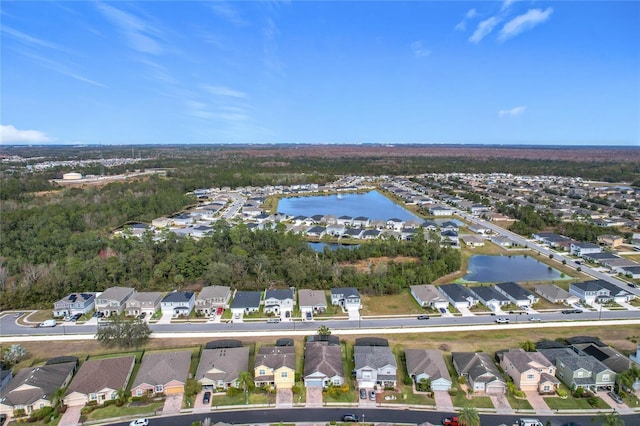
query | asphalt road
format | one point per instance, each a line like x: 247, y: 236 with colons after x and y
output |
x: 376, y: 415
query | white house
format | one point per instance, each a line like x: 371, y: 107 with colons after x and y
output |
x: 178, y: 303
x: 279, y: 302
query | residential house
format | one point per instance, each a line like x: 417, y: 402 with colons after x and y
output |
x: 450, y: 239
x: 355, y: 233
x: 552, y: 240
x: 370, y: 234
x: 361, y: 222
x: 316, y: 231
x: 347, y: 297
x: 581, y: 248
x: 345, y: 220
x: 440, y: 211
x: 220, y: 368
x: 395, y: 224
x: 375, y: 365
x: 34, y: 388
x: 490, y: 297
x: 178, y: 303
x: 245, y: 302
x: 606, y: 355
x: 279, y: 302
x: 428, y: 364
x: 599, y: 291
x: 472, y: 241
x: 458, y: 295
x: 99, y: 380
x: 6, y: 375
x: 576, y: 369
x: 428, y: 296
x: 630, y: 271
x: 275, y: 366
x: 323, y: 364
x: 481, y: 373
x: 162, y: 373
x: 529, y: 370
x: 336, y: 230
x: 146, y: 301
x: 517, y: 294
x: 610, y: 240
x: 600, y: 257
x: 112, y: 300
x: 501, y: 241
x: 555, y: 294
x: 74, y: 303
x: 313, y: 301
x: 211, y: 298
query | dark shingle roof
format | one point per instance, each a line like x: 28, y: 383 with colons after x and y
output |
x: 246, y: 299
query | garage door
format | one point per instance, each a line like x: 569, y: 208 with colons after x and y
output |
x: 313, y: 382
x: 437, y: 387
x: 174, y: 390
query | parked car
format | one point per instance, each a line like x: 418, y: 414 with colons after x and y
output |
x: 443, y: 311
x: 206, y: 398
x: 67, y: 318
x: 372, y: 395
x: 363, y: 393
x: 309, y: 316
x: 142, y: 315
x: 535, y: 319
x: 139, y: 422
x: 48, y: 323
x: 76, y: 317
x: 634, y: 285
x: 502, y: 320
x: 349, y: 418
x: 219, y: 311
x: 273, y: 320
x: 423, y: 317
x: 615, y: 397
x: 571, y: 311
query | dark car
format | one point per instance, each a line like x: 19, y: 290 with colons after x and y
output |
x: 206, y: 398
x: 571, y: 311
x: 349, y: 418
x: 76, y: 317
x: 3, y: 418
x: 443, y: 310
x: 423, y: 317
x: 142, y: 315
x: 363, y: 393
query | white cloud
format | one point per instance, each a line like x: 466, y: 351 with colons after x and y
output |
x: 507, y: 3
x: 472, y: 13
x: 524, y: 22
x: 61, y: 68
x: 9, y: 134
x: 419, y: 49
x: 225, y: 91
x: 140, y: 35
x: 484, y: 29
x: 225, y: 11
x: 513, y: 112
x: 30, y: 40
x: 462, y: 25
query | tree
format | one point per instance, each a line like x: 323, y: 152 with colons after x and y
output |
x: 246, y: 381
x: 192, y: 387
x: 611, y: 419
x: 124, y: 334
x: 469, y: 416
x: 324, y: 331
x: 14, y: 354
x: 528, y: 346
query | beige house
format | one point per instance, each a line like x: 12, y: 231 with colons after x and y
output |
x: 146, y: 301
x: 610, y: 240
x: 530, y: 371
x: 220, y: 368
x: 99, y: 380
x: 275, y: 366
x: 211, y: 298
x: 162, y: 373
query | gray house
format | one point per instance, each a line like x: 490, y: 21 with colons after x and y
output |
x: 146, y: 301
x: 517, y: 294
x: 375, y: 365
x: 220, y: 368
x: 279, y: 301
x: 458, y: 295
x: 74, y: 303
x: 347, y: 297
x: 313, y: 301
x: 211, y: 298
x: 428, y: 296
x: 490, y: 297
x: 112, y: 300
x: 162, y: 373
x: 428, y: 364
x: 178, y: 303
x: 482, y: 374
x: 323, y: 364
x: 577, y: 369
x: 246, y: 302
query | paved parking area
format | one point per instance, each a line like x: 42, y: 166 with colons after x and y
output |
x: 198, y: 405
x: 284, y: 398
x: 71, y: 417
x: 443, y: 400
x: 466, y: 312
x: 501, y: 404
x: 314, y: 396
x: 366, y: 402
x: 172, y: 404
x: 538, y: 403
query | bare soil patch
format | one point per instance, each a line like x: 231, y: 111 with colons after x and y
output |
x: 370, y: 264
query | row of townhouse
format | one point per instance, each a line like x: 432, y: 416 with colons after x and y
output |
x: 459, y: 296
x: 209, y: 300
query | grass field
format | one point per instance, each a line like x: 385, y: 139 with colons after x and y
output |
x: 114, y: 411
x: 393, y: 304
x: 556, y: 403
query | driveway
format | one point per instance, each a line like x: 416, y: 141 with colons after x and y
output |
x: 172, y: 404
x: 71, y: 417
x: 284, y: 398
x: 443, y: 400
x: 198, y: 405
x: 501, y: 404
x: 314, y: 396
x: 538, y: 403
x: 466, y: 312
x: 621, y: 408
x: 165, y: 319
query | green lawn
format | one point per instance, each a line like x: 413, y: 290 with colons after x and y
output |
x: 521, y: 404
x: 556, y: 403
x: 114, y: 411
x: 406, y: 396
x: 460, y: 400
x: 254, y: 398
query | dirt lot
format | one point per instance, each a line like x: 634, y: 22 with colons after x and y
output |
x: 370, y: 264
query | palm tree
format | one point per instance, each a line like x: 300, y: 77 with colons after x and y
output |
x: 58, y: 396
x: 468, y: 416
x: 611, y: 419
x: 324, y: 331
x: 245, y: 379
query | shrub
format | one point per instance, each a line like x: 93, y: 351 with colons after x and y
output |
x: 453, y: 392
x: 462, y: 380
x: 407, y: 381
x: 561, y: 392
x: 233, y: 391
x: 593, y: 401
x: 295, y: 389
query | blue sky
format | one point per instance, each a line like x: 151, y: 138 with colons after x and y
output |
x: 512, y: 72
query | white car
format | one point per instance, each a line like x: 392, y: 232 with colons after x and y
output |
x: 502, y: 320
x: 534, y: 319
x: 139, y: 422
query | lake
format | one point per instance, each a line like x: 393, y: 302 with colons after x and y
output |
x: 496, y: 269
x: 372, y: 205
x: 319, y: 247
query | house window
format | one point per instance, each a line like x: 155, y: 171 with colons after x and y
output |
x: 530, y: 376
x: 114, y: 395
x: 546, y: 388
x: 336, y: 382
x: 92, y: 397
x: 284, y: 374
x: 579, y: 374
x: 139, y: 392
x: 605, y: 378
x: 158, y: 388
x: 261, y: 372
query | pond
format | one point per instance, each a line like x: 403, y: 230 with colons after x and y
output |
x: 495, y: 269
x: 319, y: 247
x: 372, y: 205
